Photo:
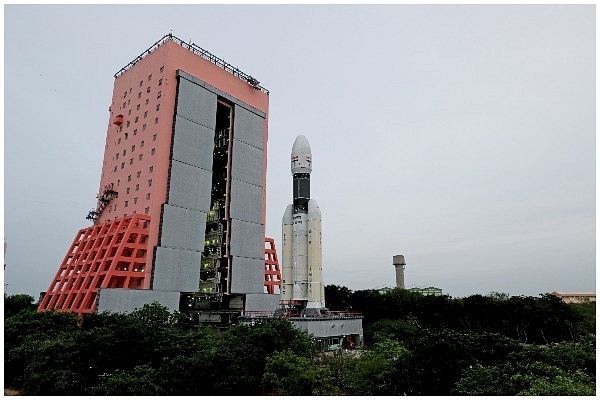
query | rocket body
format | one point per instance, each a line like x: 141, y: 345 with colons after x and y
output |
x: 302, y: 268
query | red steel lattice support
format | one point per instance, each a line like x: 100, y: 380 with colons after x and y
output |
x: 272, y: 273
x: 108, y: 255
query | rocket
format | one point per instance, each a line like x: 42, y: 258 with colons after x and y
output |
x: 302, y: 269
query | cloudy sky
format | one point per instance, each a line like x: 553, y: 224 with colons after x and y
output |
x: 462, y: 137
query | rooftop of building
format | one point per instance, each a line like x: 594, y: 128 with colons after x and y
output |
x: 202, y: 53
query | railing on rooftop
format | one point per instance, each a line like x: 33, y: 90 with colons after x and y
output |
x: 202, y: 53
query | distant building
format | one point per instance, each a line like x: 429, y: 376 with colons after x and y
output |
x: 428, y: 291
x: 576, y: 297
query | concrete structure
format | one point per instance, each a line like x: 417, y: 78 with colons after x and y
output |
x: 301, y: 264
x: 399, y: 265
x: 180, y: 216
x: 575, y: 297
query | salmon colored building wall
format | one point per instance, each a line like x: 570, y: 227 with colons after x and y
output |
x: 127, y: 95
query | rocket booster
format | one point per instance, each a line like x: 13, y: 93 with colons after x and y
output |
x: 302, y: 268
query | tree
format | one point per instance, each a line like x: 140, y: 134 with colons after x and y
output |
x: 288, y: 374
x: 17, y: 303
x: 337, y: 297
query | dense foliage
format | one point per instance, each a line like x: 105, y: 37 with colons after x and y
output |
x: 415, y: 345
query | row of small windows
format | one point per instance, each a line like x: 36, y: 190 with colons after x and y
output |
x: 149, y: 79
x: 146, y: 211
x: 152, y: 152
x: 137, y: 119
x: 137, y: 187
x: 135, y: 133
x: 148, y: 90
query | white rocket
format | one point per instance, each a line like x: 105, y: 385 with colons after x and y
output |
x: 302, y: 269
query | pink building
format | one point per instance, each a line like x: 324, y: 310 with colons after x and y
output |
x: 181, y: 206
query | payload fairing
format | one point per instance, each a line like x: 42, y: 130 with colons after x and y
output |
x: 302, y: 269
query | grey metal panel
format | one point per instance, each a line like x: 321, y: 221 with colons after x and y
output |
x: 127, y: 300
x: 182, y: 228
x: 261, y: 302
x: 190, y: 187
x: 247, y: 240
x: 249, y: 127
x: 176, y: 269
x: 196, y: 103
x: 328, y: 327
x: 246, y: 202
x: 247, y: 275
x: 247, y: 163
x: 193, y: 143
x: 220, y: 93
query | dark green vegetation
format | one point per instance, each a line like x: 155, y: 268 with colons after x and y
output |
x: 415, y: 345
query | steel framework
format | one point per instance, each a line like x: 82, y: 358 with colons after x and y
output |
x: 108, y: 255
x: 272, y: 273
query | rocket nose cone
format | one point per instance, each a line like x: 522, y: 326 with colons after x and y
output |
x: 301, y: 156
x: 301, y: 146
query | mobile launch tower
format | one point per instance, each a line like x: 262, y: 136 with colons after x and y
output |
x: 180, y: 213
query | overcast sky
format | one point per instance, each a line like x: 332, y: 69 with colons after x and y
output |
x: 462, y: 137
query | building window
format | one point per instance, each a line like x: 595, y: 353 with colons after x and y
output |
x: 153, y: 151
x: 135, y: 200
x: 149, y: 182
x: 141, y: 83
x: 141, y: 156
x: 118, y: 182
x: 162, y: 68
x: 144, y: 127
x: 145, y: 114
x: 146, y: 210
x: 126, y: 203
x: 129, y: 112
x: 129, y: 178
x: 126, y: 135
x: 127, y: 191
x: 122, y: 165
x: 121, y: 128
x: 128, y: 123
x: 134, y: 132
x: 142, y: 144
x: 136, y: 119
x: 160, y: 82
x: 150, y: 77
x: 125, y: 95
x: 115, y: 169
x: 148, y: 89
x: 147, y: 101
x: 130, y: 161
x: 157, y: 107
x: 137, y: 107
x: 158, y: 96
x: 148, y: 196
x: 119, y: 141
x: 139, y: 95
x: 154, y: 137
x: 137, y: 187
x: 129, y: 102
x: 151, y: 168
x: 117, y: 156
x: 156, y: 120
x: 115, y: 207
x: 139, y: 174
x: 124, y: 152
